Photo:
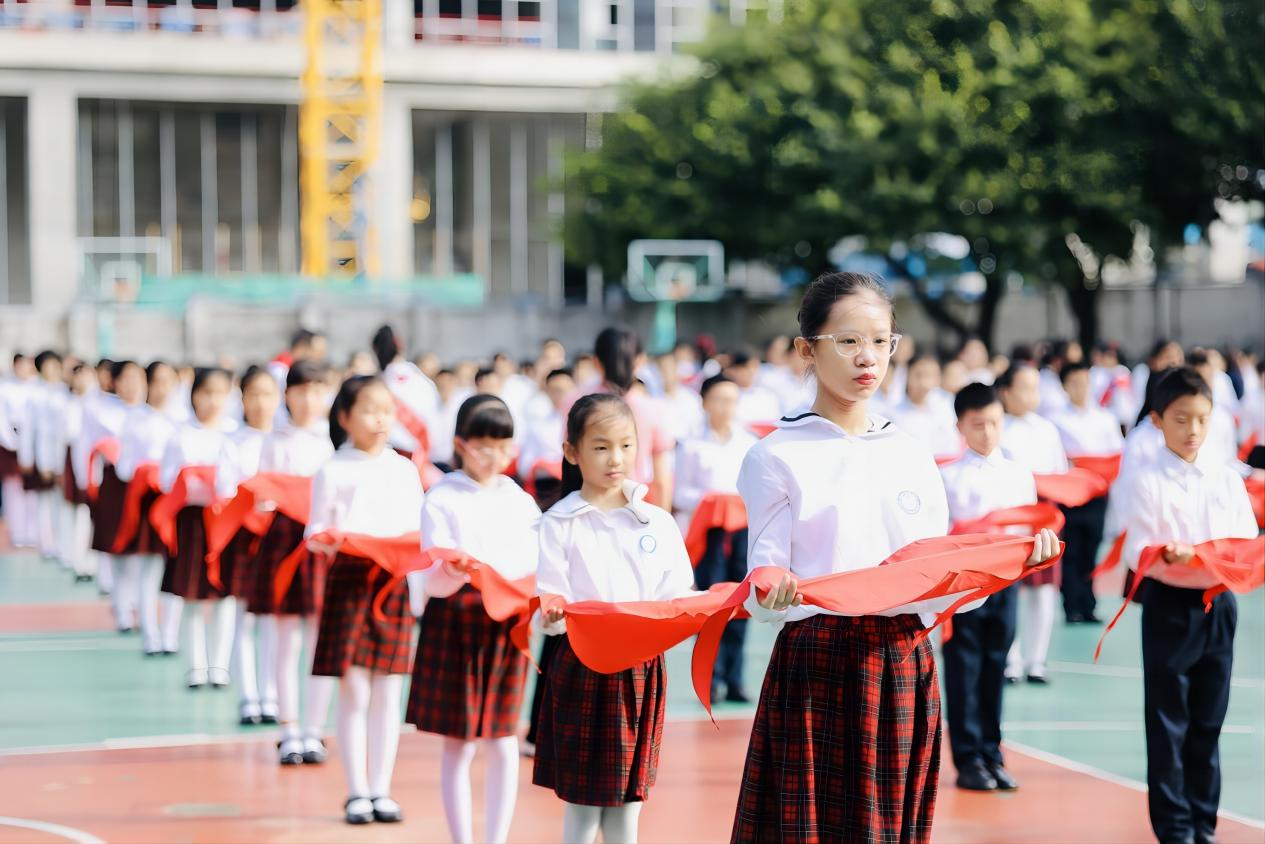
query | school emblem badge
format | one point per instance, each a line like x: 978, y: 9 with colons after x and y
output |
x: 648, y: 544
x: 909, y: 502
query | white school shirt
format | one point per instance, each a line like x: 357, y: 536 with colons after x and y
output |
x: 446, y: 425
x: 241, y: 463
x: 291, y: 450
x: 546, y: 428
x: 757, y: 404
x: 497, y: 525
x: 821, y: 501
x: 632, y: 553
x: 414, y: 390
x: 15, y: 394
x: 373, y: 494
x: 1088, y: 431
x: 1053, y: 396
x: 1120, y: 404
x: 48, y: 428
x: 144, y: 439
x: 72, y: 437
x: 782, y: 383
x: 1034, y: 442
x: 195, y: 445
x: 1252, y: 416
x: 1175, y: 501
x: 683, y: 412
x: 708, y: 464
x: 931, y: 423
x: 977, y: 485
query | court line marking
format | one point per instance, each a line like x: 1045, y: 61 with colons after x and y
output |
x: 1133, y: 673
x: 67, y: 832
x: 1108, y: 776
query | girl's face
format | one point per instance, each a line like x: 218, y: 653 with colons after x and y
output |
x: 721, y: 405
x: 862, y: 323
x: 923, y: 377
x: 607, y: 451
x: 483, y: 458
x: 161, y: 386
x: 83, y: 381
x: 130, y: 385
x: 210, y: 398
x: 307, y: 403
x: 368, y: 422
x: 259, y: 402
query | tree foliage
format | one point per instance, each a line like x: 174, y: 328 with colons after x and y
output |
x: 1013, y: 124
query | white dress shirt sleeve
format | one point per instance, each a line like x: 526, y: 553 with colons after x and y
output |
x: 553, y: 575
x: 687, y: 492
x: 766, y: 494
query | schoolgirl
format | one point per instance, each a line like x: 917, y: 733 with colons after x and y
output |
x: 76, y: 529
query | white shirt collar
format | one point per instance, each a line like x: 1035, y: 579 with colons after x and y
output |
x: 879, y: 425
x: 574, y: 504
x: 1175, y: 467
x: 994, y: 459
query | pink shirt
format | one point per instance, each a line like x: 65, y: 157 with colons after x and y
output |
x: 653, y: 434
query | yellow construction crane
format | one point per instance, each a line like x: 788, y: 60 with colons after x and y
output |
x: 339, y: 124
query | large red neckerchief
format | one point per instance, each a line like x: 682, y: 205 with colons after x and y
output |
x: 290, y: 495
x: 1035, y: 516
x: 1239, y: 565
x: 502, y: 599
x: 609, y: 637
x: 1245, y: 450
x: 1073, y: 488
x: 1121, y: 381
x: 398, y: 555
x: 543, y: 466
x: 144, y: 480
x: 1256, y: 493
x: 107, y: 448
x: 415, y: 425
x: 716, y: 510
x: 1105, y: 466
x: 163, y: 512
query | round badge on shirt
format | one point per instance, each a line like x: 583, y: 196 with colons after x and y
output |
x: 648, y: 544
x: 909, y: 502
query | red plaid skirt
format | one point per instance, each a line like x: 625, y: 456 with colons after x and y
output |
x: 237, y: 564
x: 349, y: 632
x: 599, y: 734
x: 468, y: 677
x: 306, y: 590
x: 1052, y: 576
x: 107, y: 511
x: 185, y: 574
x: 9, y: 466
x: 69, y: 489
x: 145, y: 540
x: 846, y: 740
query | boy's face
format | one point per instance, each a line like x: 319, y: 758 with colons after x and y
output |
x: 924, y: 377
x: 559, y: 388
x: 721, y: 405
x: 1024, y: 394
x: 1184, y: 424
x: 982, y: 428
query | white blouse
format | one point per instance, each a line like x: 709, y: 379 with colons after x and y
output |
x: 497, y: 525
x: 821, y: 501
x: 144, y: 439
x: 1088, y: 430
x: 373, y: 494
x: 291, y: 450
x: 708, y: 464
x: 48, y: 427
x: 1033, y: 441
x: 633, y: 553
x: 196, y: 445
x: 931, y: 422
x: 242, y: 462
x: 415, y: 391
x: 977, y: 485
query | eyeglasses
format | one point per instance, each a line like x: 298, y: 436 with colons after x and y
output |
x: 848, y: 343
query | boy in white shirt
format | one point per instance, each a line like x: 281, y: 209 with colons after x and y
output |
x: 925, y: 410
x: 542, y: 441
x: 981, y: 482
x: 1184, y: 498
x: 710, y: 463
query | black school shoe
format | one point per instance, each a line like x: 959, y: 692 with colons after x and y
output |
x: 975, y: 777
x: 1005, y: 782
x: 386, y: 810
x: 358, y: 810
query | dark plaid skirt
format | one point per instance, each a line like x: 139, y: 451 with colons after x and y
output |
x: 69, y: 488
x: 33, y: 481
x: 145, y: 540
x: 846, y: 740
x: 237, y: 564
x: 185, y: 574
x: 468, y: 677
x: 1051, y: 576
x: 9, y: 466
x: 107, y: 511
x: 599, y: 734
x: 349, y: 632
x: 306, y: 590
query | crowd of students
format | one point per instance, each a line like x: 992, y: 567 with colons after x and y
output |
x: 836, y: 448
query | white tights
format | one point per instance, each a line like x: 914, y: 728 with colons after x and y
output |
x: 618, y: 823
x: 75, y: 537
x: 499, y: 790
x: 139, y: 584
x: 1038, y: 605
x: 220, y: 616
x: 254, y: 677
x: 18, y: 505
x: 294, y: 635
x: 368, y: 729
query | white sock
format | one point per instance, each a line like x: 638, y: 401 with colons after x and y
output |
x: 289, y: 647
x: 245, y: 673
x: 195, y: 635
x: 580, y: 823
x: 105, y: 569
x: 384, y: 731
x: 15, y: 511
x: 79, y: 538
x: 224, y: 616
x: 47, y: 518
x: 145, y: 588
x: 454, y: 788
x: 123, y: 596
x: 500, y: 789
x: 353, y: 715
x: 266, y: 649
x: 172, y: 611
x: 619, y: 823
x: 1040, y: 607
x: 317, y: 691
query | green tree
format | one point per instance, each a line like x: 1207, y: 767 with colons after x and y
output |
x: 1013, y: 124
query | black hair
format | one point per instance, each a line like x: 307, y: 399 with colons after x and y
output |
x: 104, y: 363
x: 826, y: 289
x: 44, y: 357
x: 482, y: 415
x: 252, y: 372
x: 386, y: 347
x: 743, y: 357
x: 306, y: 372
x: 203, y: 374
x: 444, y: 371
x: 559, y: 373
x: 151, y: 371
x: 303, y: 337
x: 1069, y: 368
x: 1158, y: 346
x: 79, y: 367
x: 1007, y: 379
x: 1177, y: 383
x: 1148, y: 398
x: 974, y: 396
x: 923, y: 356
x: 483, y: 372
x: 117, y: 367
x: 1022, y: 353
x: 18, y: 357
x: 1197, y: 357
x: 346, y: 399
x: 712, y: 383
x: 577, y: 422
x: 616, y: 350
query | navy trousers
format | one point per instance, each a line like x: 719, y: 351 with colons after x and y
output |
x: 726, y: 561
x: 974, y: 677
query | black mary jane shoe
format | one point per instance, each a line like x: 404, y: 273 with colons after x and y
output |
x: 358, y: 810
x: 386, y: 810
x: 1005, y: 782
